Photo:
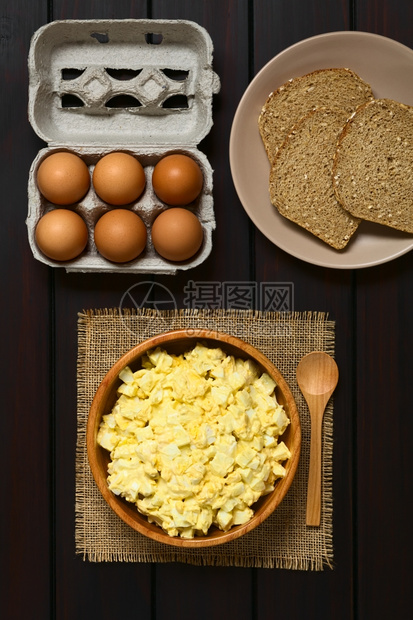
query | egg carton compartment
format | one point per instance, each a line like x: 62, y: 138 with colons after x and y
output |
x: 129, y: 82
x: 148, y: 207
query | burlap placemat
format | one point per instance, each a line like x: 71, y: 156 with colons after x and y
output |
x: 283, y: 540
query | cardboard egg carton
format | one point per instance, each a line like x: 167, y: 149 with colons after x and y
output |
x: 143, y: 87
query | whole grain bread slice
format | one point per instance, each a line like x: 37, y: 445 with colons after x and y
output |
x: 335, y: 87
x: 373, y: 164
x: 300, y: 183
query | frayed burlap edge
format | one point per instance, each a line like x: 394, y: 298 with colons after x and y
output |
x: 316, y: 552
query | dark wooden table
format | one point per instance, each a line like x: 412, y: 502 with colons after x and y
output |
x: 41, y: 576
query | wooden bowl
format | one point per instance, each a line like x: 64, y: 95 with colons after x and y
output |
x: 176, y: 342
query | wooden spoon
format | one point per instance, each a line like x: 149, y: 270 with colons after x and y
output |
x: 317, y: 377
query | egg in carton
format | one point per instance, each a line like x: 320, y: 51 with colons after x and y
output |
x: 143, y: 87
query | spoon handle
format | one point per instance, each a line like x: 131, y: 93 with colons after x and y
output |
x: 313, y: 515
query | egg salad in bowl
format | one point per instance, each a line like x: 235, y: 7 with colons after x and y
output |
x: 198, y: 442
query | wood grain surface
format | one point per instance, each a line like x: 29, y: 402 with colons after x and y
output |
x: 373, y: 426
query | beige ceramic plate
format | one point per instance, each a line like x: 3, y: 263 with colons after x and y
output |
x: 388, y: 67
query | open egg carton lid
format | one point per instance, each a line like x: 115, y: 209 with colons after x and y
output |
x: 142, y: 86
x: 121, y: 82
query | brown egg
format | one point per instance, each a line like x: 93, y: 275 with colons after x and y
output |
x: 177, y: 234
x: 177, y: 179
x: 120, y: 235
x: 119, y: 178
x: 61, y: 234
x: 63, y: 178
